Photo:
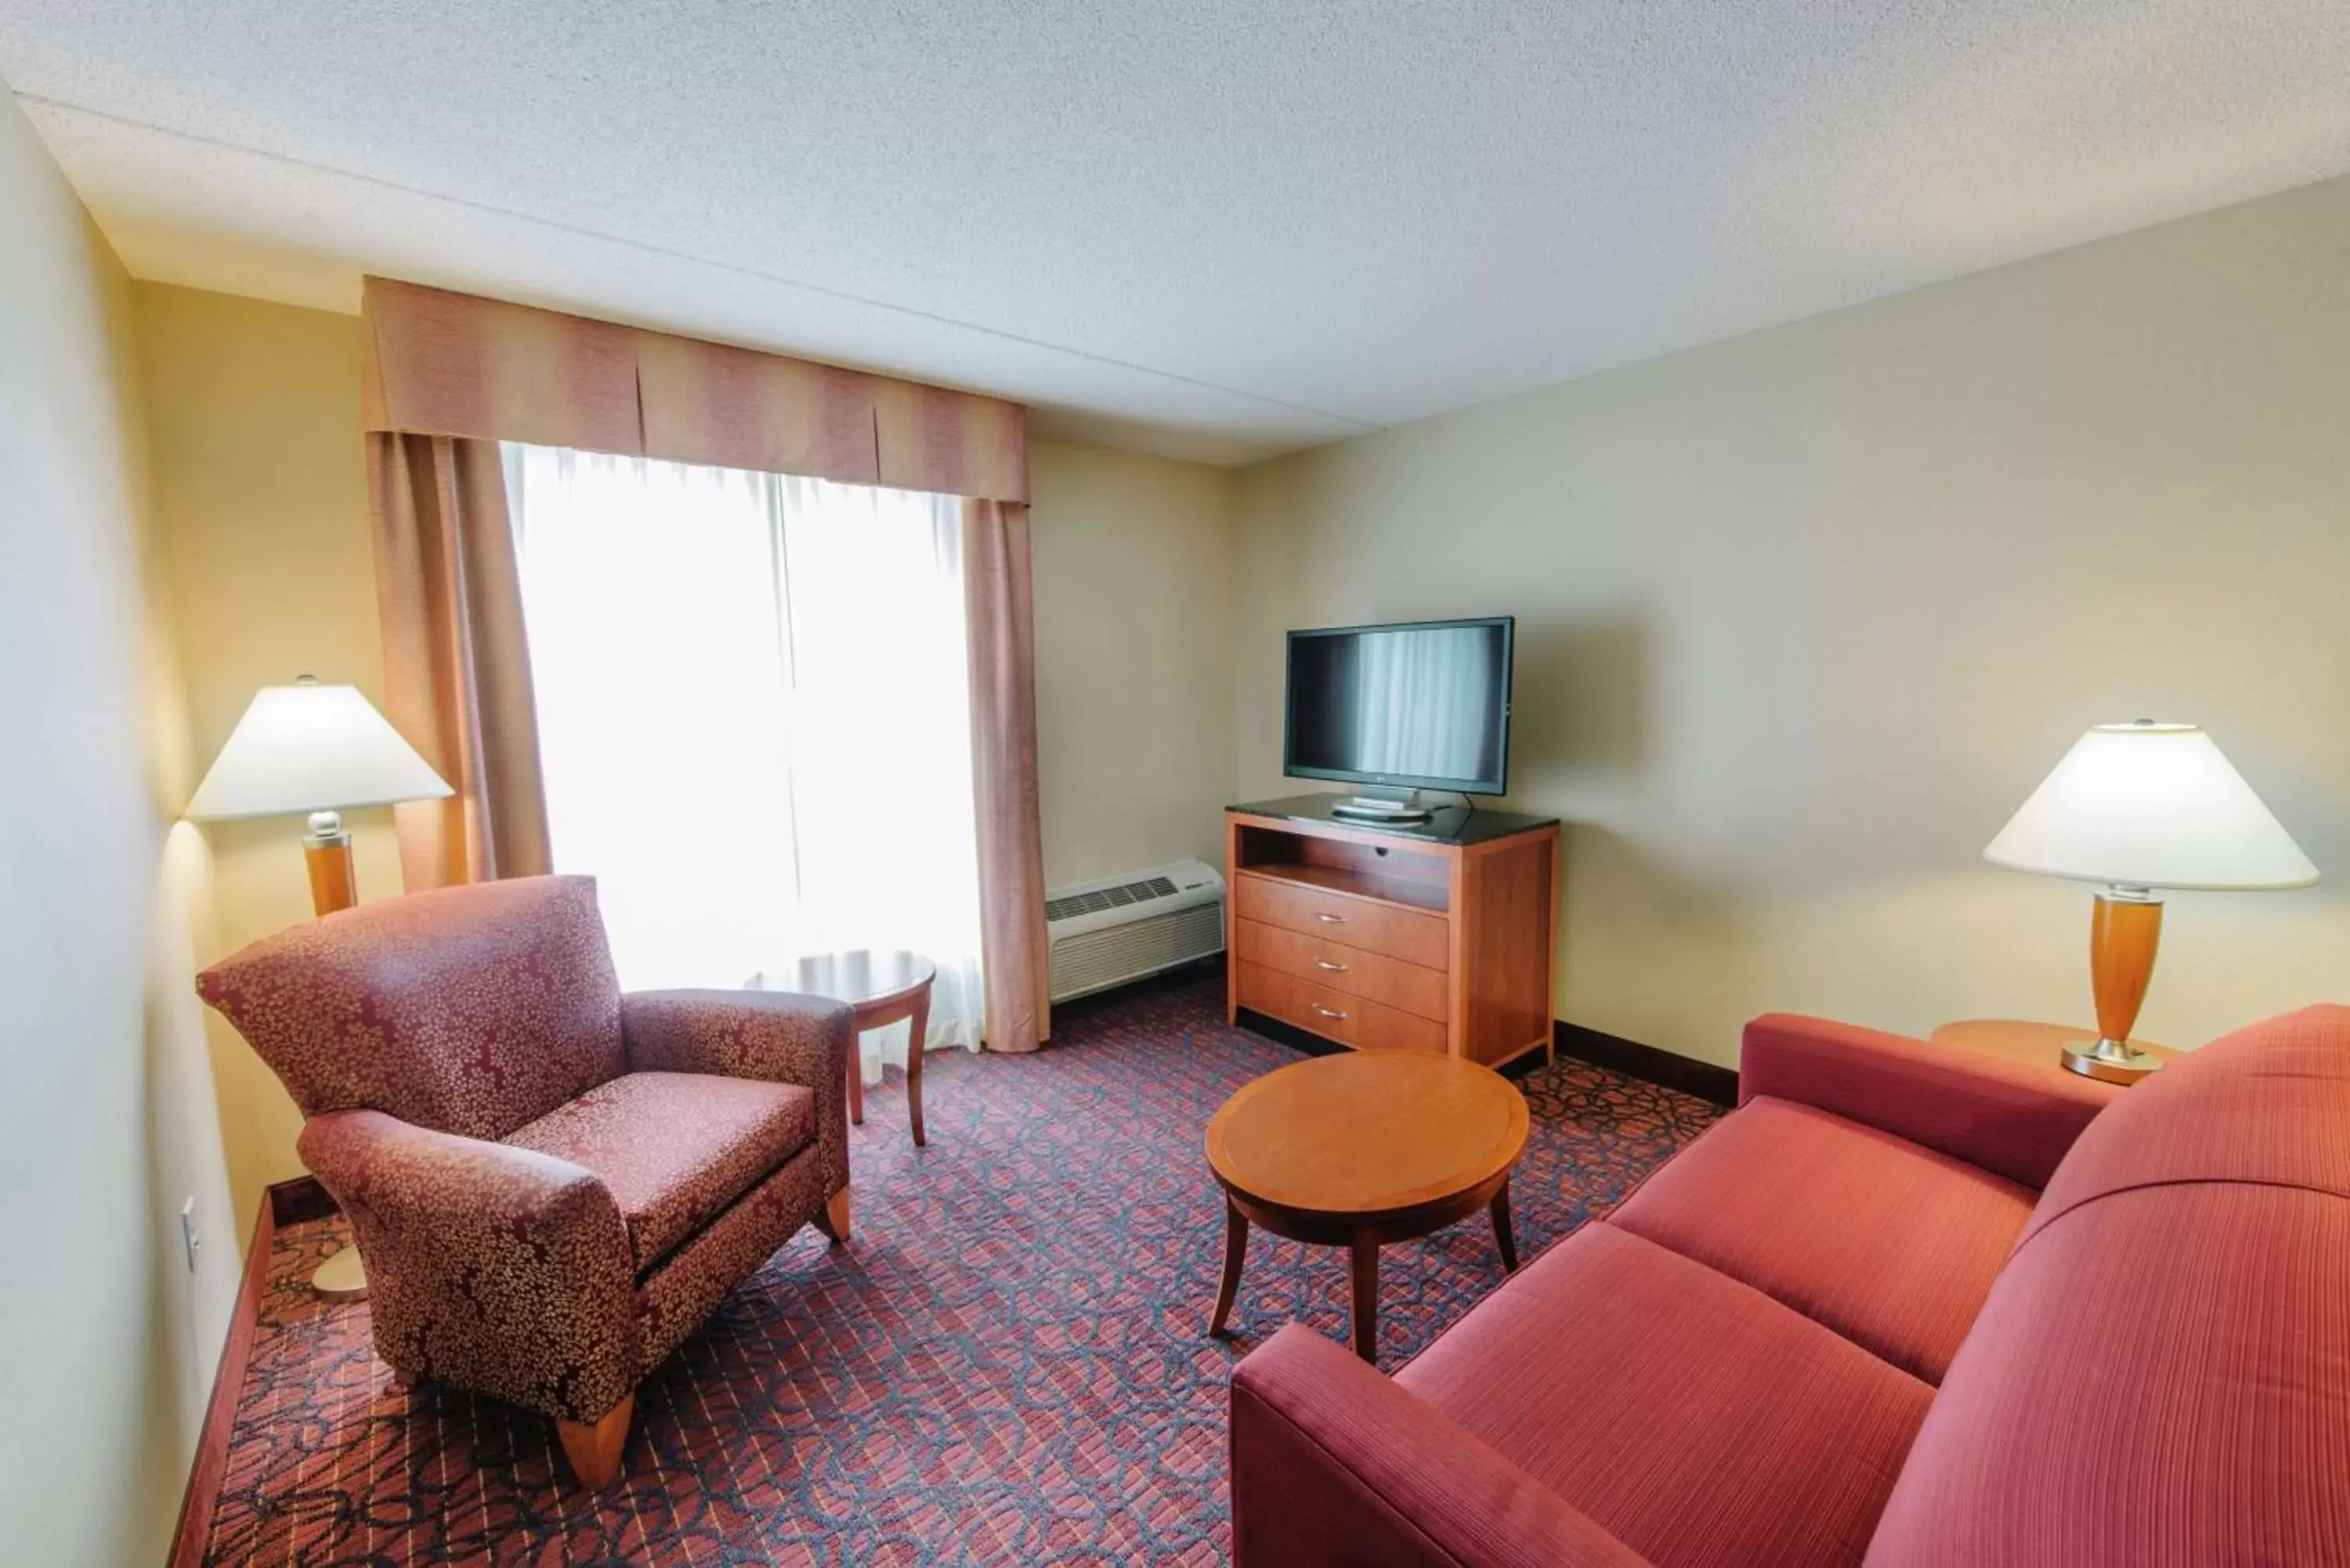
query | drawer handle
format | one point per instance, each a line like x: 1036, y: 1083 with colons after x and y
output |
x: 1329, y: 919
x: 1333, y: 968
x: 1327, y: 1011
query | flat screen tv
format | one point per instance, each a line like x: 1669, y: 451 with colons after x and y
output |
x: 1424, y: 705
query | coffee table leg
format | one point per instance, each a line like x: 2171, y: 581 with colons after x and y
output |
x: 1367, y: 1300
x: 856, y: 1077
x: 918, y: 1028
x: 1501, y: 1237
x: 1235, y: 1250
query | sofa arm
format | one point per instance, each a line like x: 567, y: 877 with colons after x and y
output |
x: 1334, y: 1465
x: 498, y: 1270
x: 775, y: 1035
x: 2008, y: 1118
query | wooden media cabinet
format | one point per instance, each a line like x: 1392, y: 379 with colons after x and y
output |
x: 1436, y: 936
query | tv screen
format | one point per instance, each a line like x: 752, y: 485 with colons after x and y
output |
x: 1425, y: 705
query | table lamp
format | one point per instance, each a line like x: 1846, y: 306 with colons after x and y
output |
x: 320, y: 750
x: 2139, y: 807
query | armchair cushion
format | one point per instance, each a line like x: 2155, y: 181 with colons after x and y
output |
x: 773, y: 1035
x: 675, y: 1148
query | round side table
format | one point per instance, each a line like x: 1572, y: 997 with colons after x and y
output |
x: 880, y: 988
x: 1362, y: 1149
x: 2044, y: 1045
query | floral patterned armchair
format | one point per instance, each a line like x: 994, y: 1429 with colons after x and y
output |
x: 553, y: 1184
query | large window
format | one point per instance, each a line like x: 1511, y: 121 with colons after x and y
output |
x: 753, y: 713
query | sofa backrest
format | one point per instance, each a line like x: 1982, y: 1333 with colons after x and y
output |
x: 467, y: 1009
x: 2161, y: 1374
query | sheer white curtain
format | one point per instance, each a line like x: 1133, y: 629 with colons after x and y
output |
x: 753, y: 713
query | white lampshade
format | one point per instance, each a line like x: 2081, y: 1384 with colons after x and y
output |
x: 308, y: 747
x: 2151, y: 805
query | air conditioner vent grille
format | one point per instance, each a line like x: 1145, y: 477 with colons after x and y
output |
x: 1098, y: 960
x: 1099, y: 898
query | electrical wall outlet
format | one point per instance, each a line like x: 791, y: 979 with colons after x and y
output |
x: 188, y: 1232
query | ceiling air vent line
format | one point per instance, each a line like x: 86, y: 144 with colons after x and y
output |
x: 1120, y: 929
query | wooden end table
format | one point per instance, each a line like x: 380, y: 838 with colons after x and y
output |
x: 880, y: 988
x: 2037, y: 1045
x: 1363, y: 1148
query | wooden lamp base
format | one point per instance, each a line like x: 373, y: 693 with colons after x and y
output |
x: 2123, y: 933
x: 334, y: 885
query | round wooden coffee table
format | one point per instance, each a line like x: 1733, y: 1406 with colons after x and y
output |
x: 880, y: 988
x: 1362, y: 1149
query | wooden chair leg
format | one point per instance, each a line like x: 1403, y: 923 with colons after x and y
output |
x: 918, y: 1029
x: 594, y: 1446
x: 833, y: 1221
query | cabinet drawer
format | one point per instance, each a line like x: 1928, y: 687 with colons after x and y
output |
x: 1359, y: 971
x: 1365, y: 1025
x: 1333, y: 1014
x: 1413, y: 935
x: 1264, y: 990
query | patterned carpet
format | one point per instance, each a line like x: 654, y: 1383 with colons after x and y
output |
x: 1008, y: 1363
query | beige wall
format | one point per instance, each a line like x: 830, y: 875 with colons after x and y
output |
x: 1802, y: 618
x: 261, y: 488
x: 107, y: 1121
x: 1135, y: 559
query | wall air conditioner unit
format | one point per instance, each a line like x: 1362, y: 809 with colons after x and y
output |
x: 1106, y: 933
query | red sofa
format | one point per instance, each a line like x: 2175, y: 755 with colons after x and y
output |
x: 1907, y: 1306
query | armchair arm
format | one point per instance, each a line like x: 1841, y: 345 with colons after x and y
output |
x: 1334, y: 1465
x: 2008, y: 1118
x: 775, y: 1035
x: 494, y: 1268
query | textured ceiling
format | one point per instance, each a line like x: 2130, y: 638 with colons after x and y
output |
x: 1218, y: 228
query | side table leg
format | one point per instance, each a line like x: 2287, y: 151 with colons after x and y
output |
x: 1501, y: 1237
x: 1367, y: 1300
x: 1235, y: 1250
x: 856, y: 1078
x: 918, y: 1029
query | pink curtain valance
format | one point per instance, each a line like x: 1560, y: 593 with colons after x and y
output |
x: 443, y: 364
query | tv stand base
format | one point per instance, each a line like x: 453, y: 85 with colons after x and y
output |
x: 1380, y: 812
x: 1395, y: 807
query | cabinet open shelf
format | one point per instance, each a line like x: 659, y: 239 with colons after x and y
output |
x: 1354, y: 884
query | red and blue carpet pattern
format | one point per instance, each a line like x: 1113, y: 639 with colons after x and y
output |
x: 1009, y: 1363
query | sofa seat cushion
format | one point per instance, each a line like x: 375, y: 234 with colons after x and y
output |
x: 1690, y: 1416
x: 675, y: 1148
x: 1891, y: 1244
